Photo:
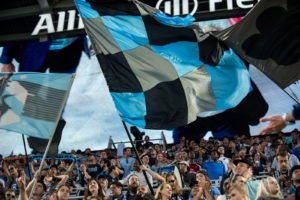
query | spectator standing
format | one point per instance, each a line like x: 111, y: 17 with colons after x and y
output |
x: 126, y: 161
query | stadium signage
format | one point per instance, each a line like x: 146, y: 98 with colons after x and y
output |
x: 69, y: 20
x: 184, y: 7
x: 69, y: 17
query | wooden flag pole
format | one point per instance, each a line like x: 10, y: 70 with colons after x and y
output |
x: 138, y: 157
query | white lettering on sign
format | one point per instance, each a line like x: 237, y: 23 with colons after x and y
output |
x: 46, y: 22
x: 244, y: 4
x: 177, y: 7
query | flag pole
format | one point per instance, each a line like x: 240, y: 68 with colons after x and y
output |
x: 27, y: 163
x: 138, y: 157
x: 52, y: 135
x: 43, y: 159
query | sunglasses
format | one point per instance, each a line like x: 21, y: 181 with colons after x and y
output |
x: 171, y: 181
x: 11, y: 169
x: 8, y: 195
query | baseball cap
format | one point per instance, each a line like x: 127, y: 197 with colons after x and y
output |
x: 242, y: 161
x: 184, y: 162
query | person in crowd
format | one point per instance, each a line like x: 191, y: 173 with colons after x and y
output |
x: 146, y: 142
x: 116, y: 191
x: 113, y: 174
x: 83, y: 177
x: 196, y: 191
x: 63, y: 192
x: 94, y: 190
x: 21, y: 182
x: 104, y: 167
x: 10, y: 194
x: 278, y: 122
x: 164, y: 192
x: 11, y: 172
x: 138, y: 170
x: 93, y: 167
x: 104, y: 184
x: 177, y: 193
x: 292, y: 159
x: 257, y: 163
x: 205, y: 185
x: 244, y: 167
x: 126, y: 161
x: 135, y: 189
x: 185, y: 174
x: 53, y: 179
x: 214, y: 168
x: 160, y: 163
x: 238, y: 191
x: 269, y: 189
x: 222, y: 158
x: 115, y: 162
x: 295, y: 179
x: 282, y: 174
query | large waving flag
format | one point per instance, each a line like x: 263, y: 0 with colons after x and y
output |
x: 269, y: 38
x: 31, y: 103
x: 161, y: 71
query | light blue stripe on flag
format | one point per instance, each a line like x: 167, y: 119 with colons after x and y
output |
x: 128, y: 31
x: 230, y: 80
x: 131, y: 107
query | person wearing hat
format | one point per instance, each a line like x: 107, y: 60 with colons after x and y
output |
x: 244, y: 167
x: 295, y: 179
x: 185, y: 174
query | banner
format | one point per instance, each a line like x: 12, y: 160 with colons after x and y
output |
x: 31, y: 103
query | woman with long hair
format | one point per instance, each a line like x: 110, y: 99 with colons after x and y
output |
x: 159, y: 162
x: 164, y: 192
x: 269, y: 189
x: 208, y: 192
x: 63, y: 192
x: 94, y: 190
x: 177, y: 193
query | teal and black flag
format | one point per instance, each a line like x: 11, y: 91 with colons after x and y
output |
x: 269, y: 38
x: 161, y: 71
x: 31, y: 103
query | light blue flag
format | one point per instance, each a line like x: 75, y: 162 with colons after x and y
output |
x: 31, y: 103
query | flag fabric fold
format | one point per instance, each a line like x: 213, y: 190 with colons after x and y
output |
x: 31, y: 103
x: 161, y: 71
x: 268, y: 37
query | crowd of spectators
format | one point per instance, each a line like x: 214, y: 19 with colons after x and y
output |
x: 257, y: 167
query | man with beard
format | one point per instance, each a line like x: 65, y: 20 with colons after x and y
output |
x: 138, y: 170
x: 135, y: 189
